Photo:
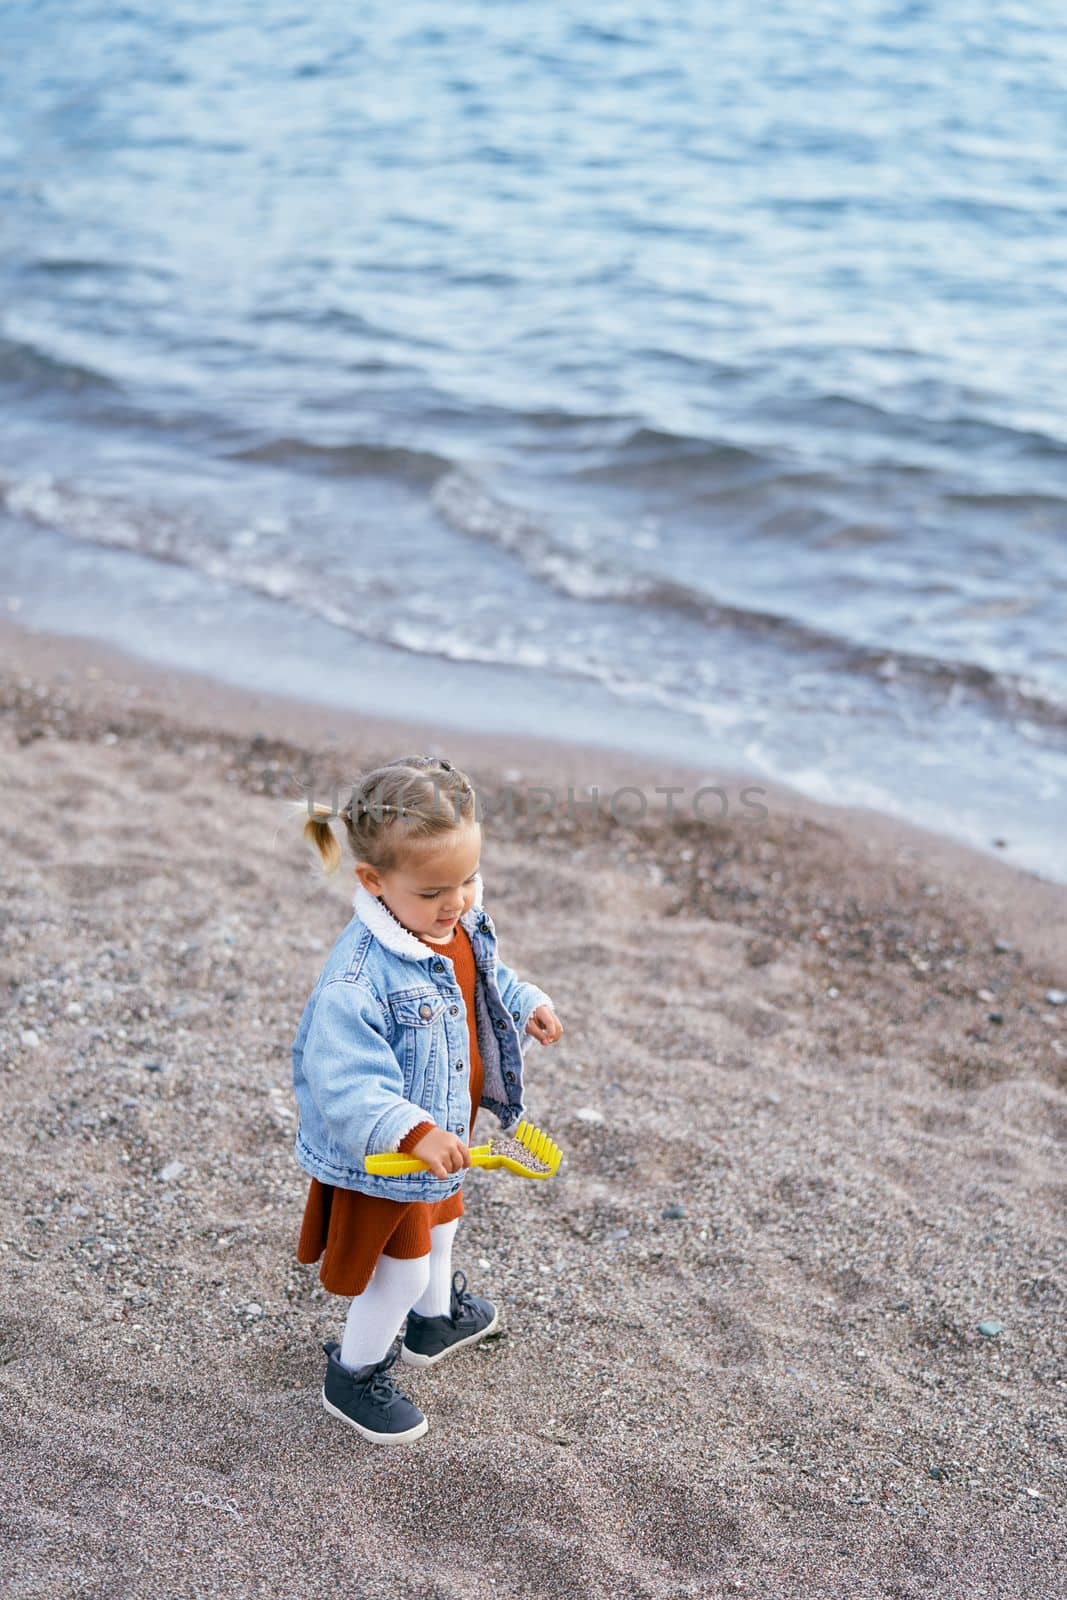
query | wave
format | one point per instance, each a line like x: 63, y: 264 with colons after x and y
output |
x: 554, y: 418
x: 375, y: 613
x: 78, y: 266
x: 571, y: 568
x: 28, y: 367
x: 576, y: 572
x: 103, y: 520
x: 468, y: 507
x: 346, y: 460
x: 74, y: 266
x: 959, y: 429
x: 1018, y: 503
x: 647, y: 456
x: 340, y: 320
x: 114, y: 524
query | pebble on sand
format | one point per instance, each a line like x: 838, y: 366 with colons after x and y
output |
x: 990, y: 1327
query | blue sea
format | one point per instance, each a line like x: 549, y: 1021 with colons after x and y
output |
x: 682, y: 377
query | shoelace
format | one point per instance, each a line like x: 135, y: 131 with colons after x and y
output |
x: 382, y: 1383
x: 462, y: 1303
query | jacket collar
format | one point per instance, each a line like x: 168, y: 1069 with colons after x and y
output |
x: 374, y: 912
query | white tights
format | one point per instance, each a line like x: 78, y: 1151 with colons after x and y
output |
x: 422, y: 1285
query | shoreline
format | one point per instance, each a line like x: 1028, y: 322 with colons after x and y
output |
x: 1025, y: 896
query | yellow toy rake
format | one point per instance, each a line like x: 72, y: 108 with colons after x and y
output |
x: 528, y: 1153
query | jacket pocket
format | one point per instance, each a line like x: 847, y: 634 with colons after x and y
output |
x: 416, y: 1015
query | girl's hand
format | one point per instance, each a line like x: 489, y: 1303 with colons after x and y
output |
x: 544, y: 1025
x: 442, y: 1151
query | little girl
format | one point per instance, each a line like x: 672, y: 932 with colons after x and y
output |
x: 412, y: 1025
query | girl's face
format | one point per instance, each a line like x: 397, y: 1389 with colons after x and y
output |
x: 433, y: 887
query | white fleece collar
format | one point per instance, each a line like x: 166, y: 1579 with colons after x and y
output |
x: 374, y: 912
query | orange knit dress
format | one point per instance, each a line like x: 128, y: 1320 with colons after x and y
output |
x: 350, y: 1230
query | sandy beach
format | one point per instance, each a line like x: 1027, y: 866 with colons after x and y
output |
x: 812, y: 1099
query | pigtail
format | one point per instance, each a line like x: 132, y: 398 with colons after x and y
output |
x: 317, y: 832
x: 392, y: 810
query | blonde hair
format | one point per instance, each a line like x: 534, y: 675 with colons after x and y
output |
x: 393, y: 811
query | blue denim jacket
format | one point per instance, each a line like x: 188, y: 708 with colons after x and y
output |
x: 383, y: 1044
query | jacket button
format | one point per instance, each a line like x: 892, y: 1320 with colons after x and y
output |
x: 438, y: 966
x: 510, y: 1076
x: 453, y: 1011
x: 500, y: 1023
x: 459, y: 1066
x: 426, y: 1011
x: 515, y: 1014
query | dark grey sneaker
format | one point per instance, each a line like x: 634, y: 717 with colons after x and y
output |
x: 368, y: 1399
x: 428, y: 1339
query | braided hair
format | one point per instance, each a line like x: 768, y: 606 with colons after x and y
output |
x: 393, y: 810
